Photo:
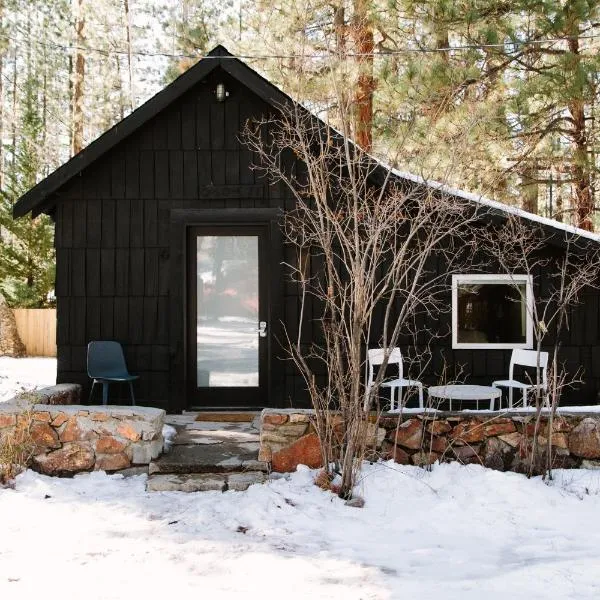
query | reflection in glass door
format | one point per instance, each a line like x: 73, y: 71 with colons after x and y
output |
x: 227, y: 311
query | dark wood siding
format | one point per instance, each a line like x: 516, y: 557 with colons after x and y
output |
x: 120, y: 270
x: 120, y: 255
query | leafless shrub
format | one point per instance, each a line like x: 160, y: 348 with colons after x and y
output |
x: 573, y: 268
x: 368, y: 250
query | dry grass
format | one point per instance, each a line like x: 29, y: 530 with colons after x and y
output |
x: 16, y: 445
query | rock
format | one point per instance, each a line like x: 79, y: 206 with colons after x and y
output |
x: 512, y: 439
x: 193, y: 482
x: 59, y: 420
x: 272, y: 437
x: 112, y: 462
x: 355, y: 502
x: 144, y: 452
x: 409, y: 434
x: 560, y: 440
x: 434, y: 443
x: 42, y: 416
x: 7, y: 420
x: 494, y: 461
x: 255, y: 465
x: 129, y: 432
x: 44, y: 437
x: 561, y: 425
x: 73, y: 457
x: 242, y: 481
x: 293, y: 430
x: 265, y: 454
x: 71, y: 432
x: 584, y: 440
x: 494, y: 429
x: 299, y: 418
x: 467, y: 454
x: 274, y: 419
x: 305, y: 451
x: 468, y: 432
x: 134, y: 471
x: 375, y: 435
x: 422, y: 459
x: 497, y: 454
x: 99, y: 416
x: 59, y: 394
x: 438, y: 427
x: 400, y: 456
x: 110, y: 445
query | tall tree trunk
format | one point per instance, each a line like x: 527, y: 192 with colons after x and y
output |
x: 530, y: 188
x: 580, y: 168
x: 129, y: 53
x: 365, y: 86
x: 15, y: 100
x: 1, y: 104
x: 78, y: 79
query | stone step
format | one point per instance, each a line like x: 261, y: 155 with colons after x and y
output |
x: 204, y: 482
x: 217, y: 458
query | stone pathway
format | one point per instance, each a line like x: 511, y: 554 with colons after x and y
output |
x: 209, y: 455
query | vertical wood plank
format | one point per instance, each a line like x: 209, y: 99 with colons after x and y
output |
x: 190, y: 174
x: 188, y: 125
x: 92, y: 272
x: 147, y: 174
x: 122, y: 272
x: 176, y: 174
x: 136, y: 272
x: 107, y: 272
x: 109, y: 210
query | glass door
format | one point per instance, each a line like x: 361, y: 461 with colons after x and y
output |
x: 227, y: 318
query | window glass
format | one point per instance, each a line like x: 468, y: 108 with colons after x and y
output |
x: 491, y: 313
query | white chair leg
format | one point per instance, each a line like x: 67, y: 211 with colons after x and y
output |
x: 392, y: 398
x: 491, y: 404
x: 420, y: 387
x: 524, y: 397
x: 510, y: 397
x: 399, y: 398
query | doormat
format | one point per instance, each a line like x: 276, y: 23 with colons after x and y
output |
x: 227, y: 417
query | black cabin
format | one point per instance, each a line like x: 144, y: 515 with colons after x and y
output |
x: 169, y: 242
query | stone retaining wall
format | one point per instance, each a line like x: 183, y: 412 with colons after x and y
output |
x: 501, y: 440
x: 72, y: 439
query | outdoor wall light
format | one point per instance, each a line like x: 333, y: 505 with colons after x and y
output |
x: 221, y: 93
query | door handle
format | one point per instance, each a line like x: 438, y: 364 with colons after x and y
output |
x: 262, y: 329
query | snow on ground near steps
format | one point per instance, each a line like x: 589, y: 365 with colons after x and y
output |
x: 453, y: 533
x: 23, y: 374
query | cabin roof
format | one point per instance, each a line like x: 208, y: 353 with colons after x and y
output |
x: 41, y: 198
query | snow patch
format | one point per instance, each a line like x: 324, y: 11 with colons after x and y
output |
x: 461, y: 532
x: 19, y: 375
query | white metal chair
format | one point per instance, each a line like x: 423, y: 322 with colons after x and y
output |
x: 524, y: 358
x: 375, y: 357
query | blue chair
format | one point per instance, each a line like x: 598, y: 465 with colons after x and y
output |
x: 105, y: 365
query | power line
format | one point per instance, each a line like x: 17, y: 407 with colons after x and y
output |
x: 514, y: 44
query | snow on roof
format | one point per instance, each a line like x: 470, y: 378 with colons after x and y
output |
x: 482, y: 200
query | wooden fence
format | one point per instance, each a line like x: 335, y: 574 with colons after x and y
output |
x: 37, y: 328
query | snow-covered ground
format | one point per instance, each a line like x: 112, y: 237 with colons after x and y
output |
x: 456, y: 533
x: 22, y: 374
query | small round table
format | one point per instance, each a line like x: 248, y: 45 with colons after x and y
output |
x: 465, y: 392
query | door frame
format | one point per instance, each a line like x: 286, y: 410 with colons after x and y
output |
x: 182, y: 219
x: 227, y: 397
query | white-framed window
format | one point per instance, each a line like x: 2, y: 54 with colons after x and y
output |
x: 492, y: 311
